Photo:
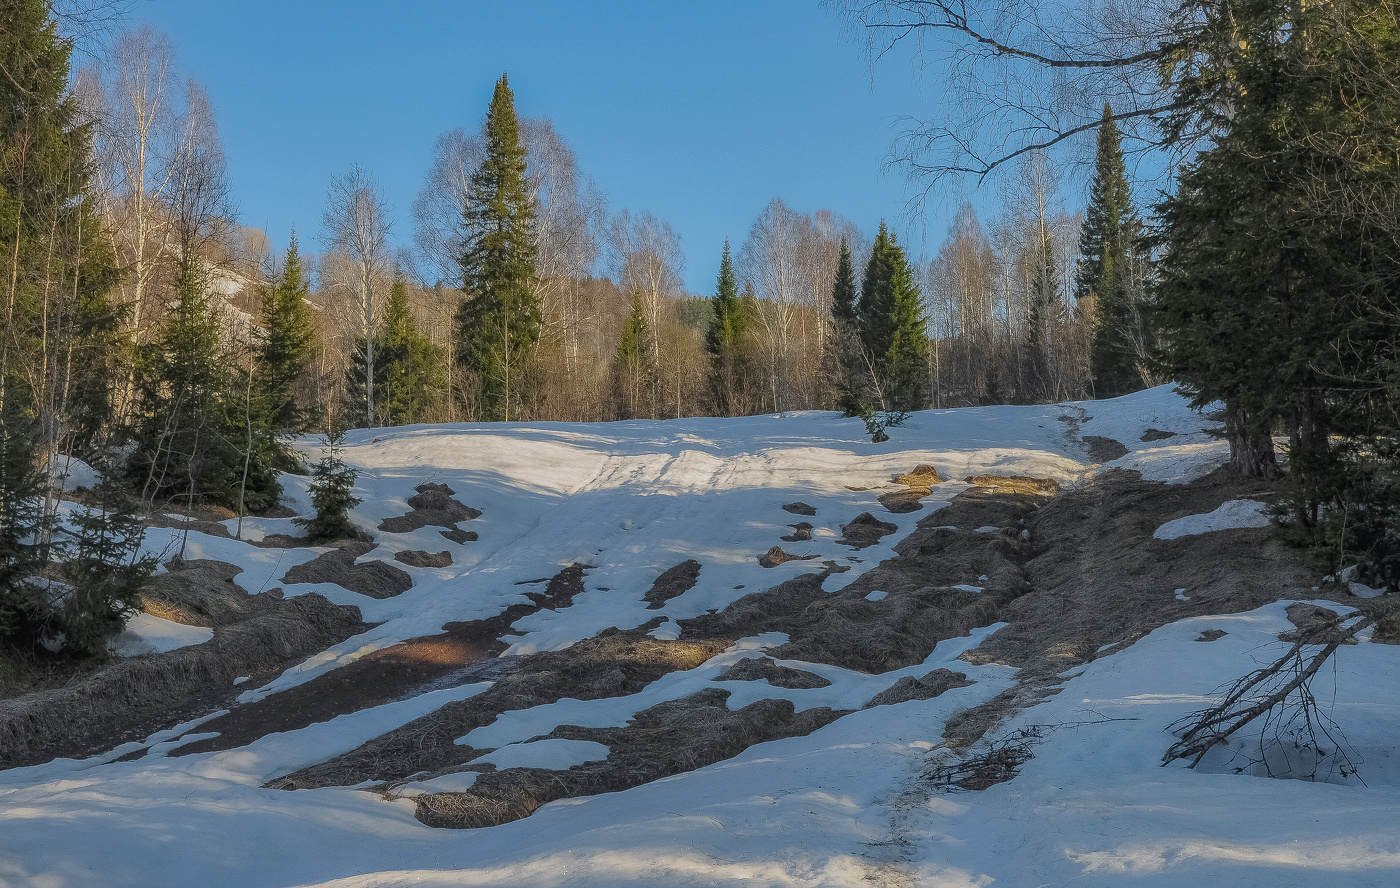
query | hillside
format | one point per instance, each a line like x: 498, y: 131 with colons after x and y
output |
x: 756, y: 651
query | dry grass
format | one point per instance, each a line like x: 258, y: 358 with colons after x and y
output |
x: 374, y: 579
x: 669, y: 738
x: 432, y: 505
x: 1017, y: 484
x: 672, y: 582
x: 134, y: 698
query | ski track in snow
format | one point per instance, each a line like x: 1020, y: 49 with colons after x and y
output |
x: 838, y: 807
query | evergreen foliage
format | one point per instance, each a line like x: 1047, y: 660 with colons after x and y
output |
x: 1109, y: 275
x: 103, y: 564
x: 21, y: 519
x: 287, y: 339
x: 499, y: 323
x: 332, y: 486
x: 193, y: 424
x: 726, y: 341
x: 844, y: 362
x: 892, y: 333
x: 634, y: 360
x: 407, y: 366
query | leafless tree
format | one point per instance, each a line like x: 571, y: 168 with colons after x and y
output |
x: 1031, y: 75
x: 356, y: 222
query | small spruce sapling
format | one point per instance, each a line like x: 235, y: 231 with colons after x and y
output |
x: 104, y: 564
x: 331, y: 486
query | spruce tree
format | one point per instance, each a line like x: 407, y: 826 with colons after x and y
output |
x: 1108, y: 276
x: 287, y: 340
x: 726, y: 342
x: 103, y: 564
x: 186, y: 430
x: 634, y: 364
x: 332, y: 493
x: 407, y: 366
x: 892, y: 333
x: 843, y: 358
x: 499, y: 323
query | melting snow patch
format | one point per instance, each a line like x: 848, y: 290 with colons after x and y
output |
x: 876, y: 596
x: 966, y: 588
x: 554, y: 755
x: 1231, y: 515
x: 669, y: 630
x: 990, y: 528
x: 145, y: 634
x: 1182, y: 596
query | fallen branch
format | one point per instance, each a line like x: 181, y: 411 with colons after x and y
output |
x: 1264, y: 689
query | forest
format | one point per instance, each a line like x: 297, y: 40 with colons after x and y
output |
x: 151, y: 336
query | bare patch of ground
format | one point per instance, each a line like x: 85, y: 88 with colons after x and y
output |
x: 420, y: 558
x: 925, y: 688
x: 801, y: 533
x: 918, y: 484
x: 1156, y: 435
x: 133, y: 698
x: 1102, y: 450
x: 769, y: 670
x: 865, y: 530
x: 1099, y: 578
x: 776, y: 556
x: 672, y: 582
x: 374, y: 579
x: 611, y: 664
x: 432, y: 505
x: 384, y: 676
x: 800, y: 509
x: 670, y: 738
x: 459, y: 536
x: 1015, y: 484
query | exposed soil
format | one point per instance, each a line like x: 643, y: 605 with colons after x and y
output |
x: 384, y: 676
x: 918, y: 484
x: 1015, y: 484
x: 1156, y: 435
x: 132, y: 699
x: 866, y: 530
x: 776, y: 556
x: 801, y: 533
x: 777, y: 675
x: 800, y: 509
x: 1102, y: 450
x: 374, y: 579
x: 672, y: 582
x: 670, y: 738
x: 203, y: 593
x: 1099, y: 578
x: 611, y: 664
x: 420, y: 558
x: 459, y: 536
x: 432, y: 505
x: 926, y: 688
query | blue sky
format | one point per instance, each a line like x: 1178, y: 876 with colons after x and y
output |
x: 700, y: 112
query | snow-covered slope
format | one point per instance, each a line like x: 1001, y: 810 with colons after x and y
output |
x: 832, y: 808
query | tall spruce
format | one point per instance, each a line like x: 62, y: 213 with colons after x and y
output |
x: 843, y: 361
x: 499, y: 323
x: 1106, y: 277
x: 287, y: 342
x: 726, y: 341
x: 892, y: 331
x: 635, y: 369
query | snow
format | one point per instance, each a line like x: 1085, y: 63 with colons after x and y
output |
x: 876, y: 596
x: 557, y: 755
x: 1229, y: 516
x: 147, y: 634
x: 839, y: 807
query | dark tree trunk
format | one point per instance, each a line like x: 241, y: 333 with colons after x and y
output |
x: 1251, y: 448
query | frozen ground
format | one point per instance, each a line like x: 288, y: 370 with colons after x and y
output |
x: 838, y: 807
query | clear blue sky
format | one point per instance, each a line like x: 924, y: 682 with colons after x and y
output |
x: 698, y: 111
